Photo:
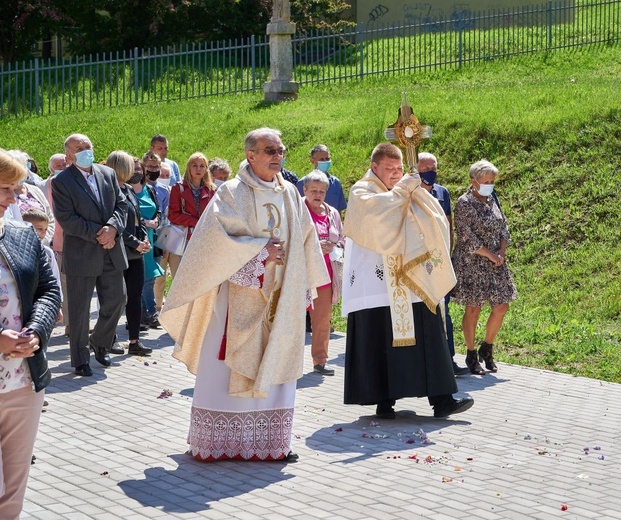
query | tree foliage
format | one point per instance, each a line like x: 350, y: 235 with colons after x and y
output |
x: 94, y: 26
x: 23, y: 23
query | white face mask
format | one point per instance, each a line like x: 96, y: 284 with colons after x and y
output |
x: 164, y: 182
x: 485, y: 190
x: 56, y: 172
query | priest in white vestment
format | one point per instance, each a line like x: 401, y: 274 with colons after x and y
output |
x: 236, y: 309
x: 397, y: 270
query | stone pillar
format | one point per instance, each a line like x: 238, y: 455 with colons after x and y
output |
x: 281, y: 87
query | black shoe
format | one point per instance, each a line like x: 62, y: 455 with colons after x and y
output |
x: 321, y: 369
x: 154, y: 323
x: 116, y: 348
x: 486, y: 353
x: 385, y: 411
x: 101, y: 356
x: 473, y: 364
x: 138, y: 349
x: 84, y: 370
x: 291, y: 457
x: 460, y: 371
x: 451, y: 406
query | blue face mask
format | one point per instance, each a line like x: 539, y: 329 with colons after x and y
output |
x: 324, y: 166
x: 85, y: 158
x: 428, y: 178
x: 282, y: 164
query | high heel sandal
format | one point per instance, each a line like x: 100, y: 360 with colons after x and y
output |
x: 486, y: 353
x: 473, y: 364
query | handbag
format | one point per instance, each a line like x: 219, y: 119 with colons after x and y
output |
x: 173, y: 239
x: 337, y: 259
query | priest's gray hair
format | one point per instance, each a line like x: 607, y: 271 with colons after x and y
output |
x: 255, y: 136
x: 480, y: 168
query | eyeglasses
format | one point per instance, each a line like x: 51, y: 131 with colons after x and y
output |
x: 274, y: 151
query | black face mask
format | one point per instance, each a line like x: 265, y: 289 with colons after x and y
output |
x: 136, y: 178
x: 153, y: 175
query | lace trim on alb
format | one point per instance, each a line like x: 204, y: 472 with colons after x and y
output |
x: 249, y: 275
x: 261, y: 434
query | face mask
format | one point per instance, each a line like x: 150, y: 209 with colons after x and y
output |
x: 85, y: 158
x: 153, y: 176
x: 429, y: 177
x: 485, y: 190
x: 29, y: 166
x: 324, y: 166
x: 164, y: 182
x: 136, y: 178
x: 282, y: 164
x: 56, y: 172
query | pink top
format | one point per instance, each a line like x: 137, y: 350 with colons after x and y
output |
x: 322, y: 226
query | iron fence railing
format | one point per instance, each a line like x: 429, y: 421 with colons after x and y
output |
x: 151, y: 75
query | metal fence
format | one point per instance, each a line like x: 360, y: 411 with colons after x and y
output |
x: 165, y: 74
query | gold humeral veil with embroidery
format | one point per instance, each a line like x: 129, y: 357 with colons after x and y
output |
x: 264, y: 344
x: 406, y: 225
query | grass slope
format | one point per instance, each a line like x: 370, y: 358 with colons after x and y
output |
x: 551, y: 123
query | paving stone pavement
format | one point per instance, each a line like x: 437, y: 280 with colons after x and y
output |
x: 110, y: 448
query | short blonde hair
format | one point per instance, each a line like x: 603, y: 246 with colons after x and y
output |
x: 385, y: 150
x: 123, y: 165
x: 10, y: 169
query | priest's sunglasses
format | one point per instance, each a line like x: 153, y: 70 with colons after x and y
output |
x: 273, y: 151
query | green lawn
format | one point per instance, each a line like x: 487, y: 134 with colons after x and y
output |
x: 551, y: 123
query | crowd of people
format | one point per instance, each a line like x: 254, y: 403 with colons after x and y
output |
x: 249, y: 255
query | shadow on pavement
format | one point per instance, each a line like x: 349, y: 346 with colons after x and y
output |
x: 193, y: 485
x: 369, y: 437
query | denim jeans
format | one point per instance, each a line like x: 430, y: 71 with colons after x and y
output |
x: 148, y: 298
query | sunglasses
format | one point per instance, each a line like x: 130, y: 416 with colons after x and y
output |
x: 274, y: 151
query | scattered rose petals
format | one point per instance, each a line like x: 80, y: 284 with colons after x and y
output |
x: 447, y: 479
x: 105, y: 473
x: 469, y: 458
x: 597, y: 448
x: 457, y: 468
x: 374, y: 424
x: 410, y: 441
x: 165, y: 394
x: 527, y: 436
x: 601, y: 457
x: 339, y: 430
x: 563, y: 507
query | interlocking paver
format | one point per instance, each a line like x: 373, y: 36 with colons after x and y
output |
x: 109, y: 449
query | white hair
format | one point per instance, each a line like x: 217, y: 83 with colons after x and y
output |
x: 53, y: 158
x: 479, y: 168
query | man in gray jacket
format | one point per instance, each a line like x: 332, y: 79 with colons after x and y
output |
x: 92, y: 211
